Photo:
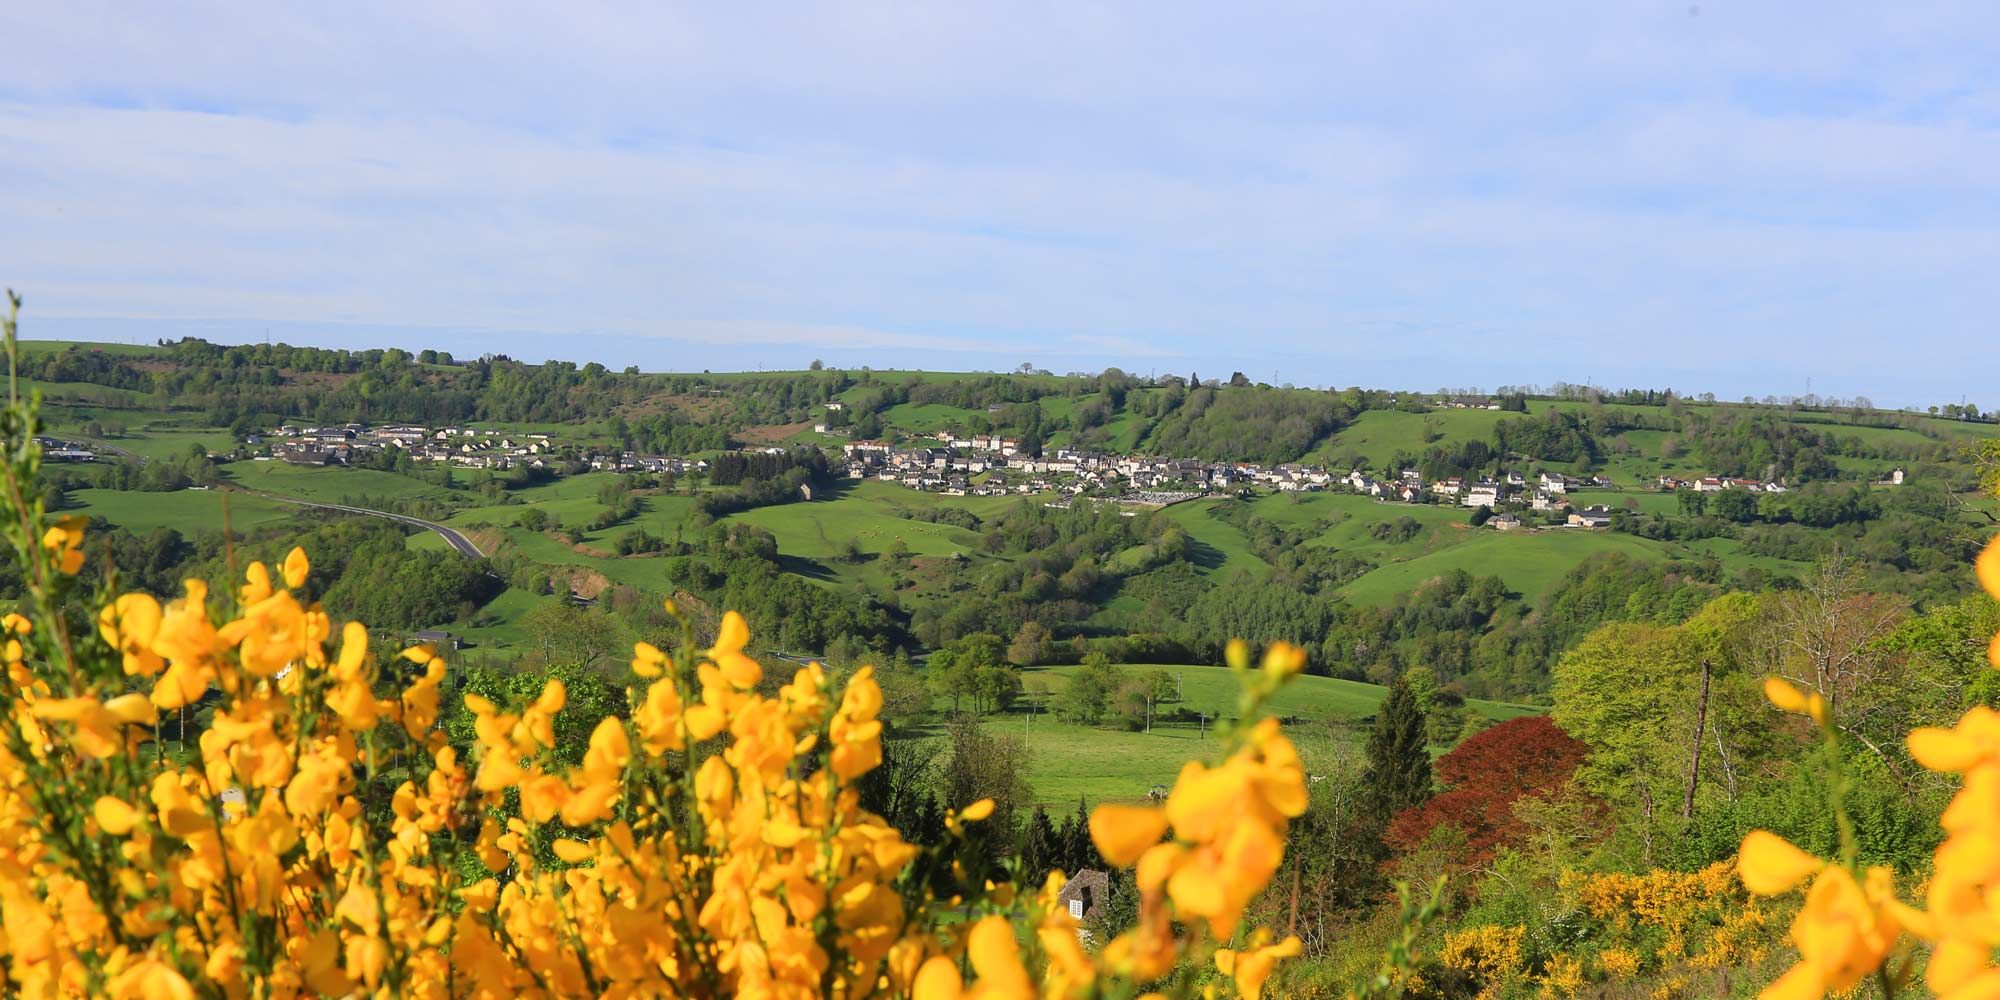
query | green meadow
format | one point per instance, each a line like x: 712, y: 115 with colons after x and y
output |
x: 1067, y: 761
x: 330, y: 485
x: 1530, y: 562
x: 186, y: 511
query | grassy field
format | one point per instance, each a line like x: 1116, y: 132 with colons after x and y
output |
x: 153, y: 443
x: 33, y: 348
x: 815, y: 533
x: 1213, y: 690
x: 926, y: 418
x: 1219, y: 546
x: 1067, y: 762
x: 1377, y: 436
x: 867, y: 513
x: 186, y: 511
x: 130, y: 402
x: 330, y: 485
x: 1531, y: 562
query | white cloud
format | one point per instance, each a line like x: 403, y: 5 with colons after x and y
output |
x: 1749, y: 190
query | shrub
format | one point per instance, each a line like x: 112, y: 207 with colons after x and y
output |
x: 327, y: 837
x: 1532, y: 751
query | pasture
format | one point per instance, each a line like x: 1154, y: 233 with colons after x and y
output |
x: 185, y: 511
x: 1067, y: 762
x: 330, y: 485
x: 1530, y: 562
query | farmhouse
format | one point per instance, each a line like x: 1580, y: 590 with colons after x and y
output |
x: 1483, y: 495
x: 438, y: 638
x: 1593, y: 516
x: 1085, y: 893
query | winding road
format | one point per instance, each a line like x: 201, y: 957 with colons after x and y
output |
x: 451, y: 536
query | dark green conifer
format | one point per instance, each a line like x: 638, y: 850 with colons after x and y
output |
x: 1399, y: 763
x: 1041, y: 848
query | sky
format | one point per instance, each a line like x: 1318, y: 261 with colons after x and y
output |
x: 1738, y: 198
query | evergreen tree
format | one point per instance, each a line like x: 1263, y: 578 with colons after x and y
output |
x: 1041, y: 849
x: 1078, y: 850
x: 929, y: 825
x: 1399, y: 765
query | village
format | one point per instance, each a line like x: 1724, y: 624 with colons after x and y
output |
x: 955, y: 464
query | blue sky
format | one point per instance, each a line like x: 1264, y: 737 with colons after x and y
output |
x: 1726, y: 197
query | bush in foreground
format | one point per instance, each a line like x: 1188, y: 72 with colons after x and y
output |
x: 325, y: 838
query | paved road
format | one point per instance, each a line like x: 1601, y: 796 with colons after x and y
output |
x: 450, y: 535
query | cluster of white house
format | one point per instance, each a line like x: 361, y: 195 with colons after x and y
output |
x: 57, y: 450
x: 950, y: 465
x: 950, y: 468
x: 337, y: 444
x: 1716, y: 484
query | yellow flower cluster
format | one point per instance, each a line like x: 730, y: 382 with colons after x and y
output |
x: 1851, y: 923
x: 1618, y: 963
x: 326, y: 839
x: 1740, y: 940
x: 1489, y: 955
x: 1562, y: 979
x: 1668, y: 900
x: 1674, y: 988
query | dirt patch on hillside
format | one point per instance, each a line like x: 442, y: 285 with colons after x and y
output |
x: 317, y: 380
x: 488, y: 538
x: 707, y: 623
x: 592, y: 551
x: 771, y: 433
x: 696, y: 406
x: 583, y: 582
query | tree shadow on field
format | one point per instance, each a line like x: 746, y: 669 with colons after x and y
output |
x: 833, y: 489
x: 1204, y: 555
x: 809, y: 568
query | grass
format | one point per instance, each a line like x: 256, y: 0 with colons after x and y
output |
x: 112, y: 398
x: 1067, y: 762
x: 330, y: 485
x: 1377, y: 436
x: 815, y: 533
x: 1213, y: 690
x: 1530, y: 562
x: 1218, y: 546
x: 928, y: 418
x: 867, y: 514
x: 186, y: 511
x: 33, y: 348
x: 169, y: 443
x: 498, y: 624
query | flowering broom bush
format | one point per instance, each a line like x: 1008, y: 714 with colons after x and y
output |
x: 1852, y: 927
x: 324, y: 839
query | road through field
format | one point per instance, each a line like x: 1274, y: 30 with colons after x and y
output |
x: 451, y: 535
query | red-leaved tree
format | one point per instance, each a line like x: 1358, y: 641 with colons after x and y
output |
x: 1483, y: 777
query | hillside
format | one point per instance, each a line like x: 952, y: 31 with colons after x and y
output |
x: 885, y: 563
